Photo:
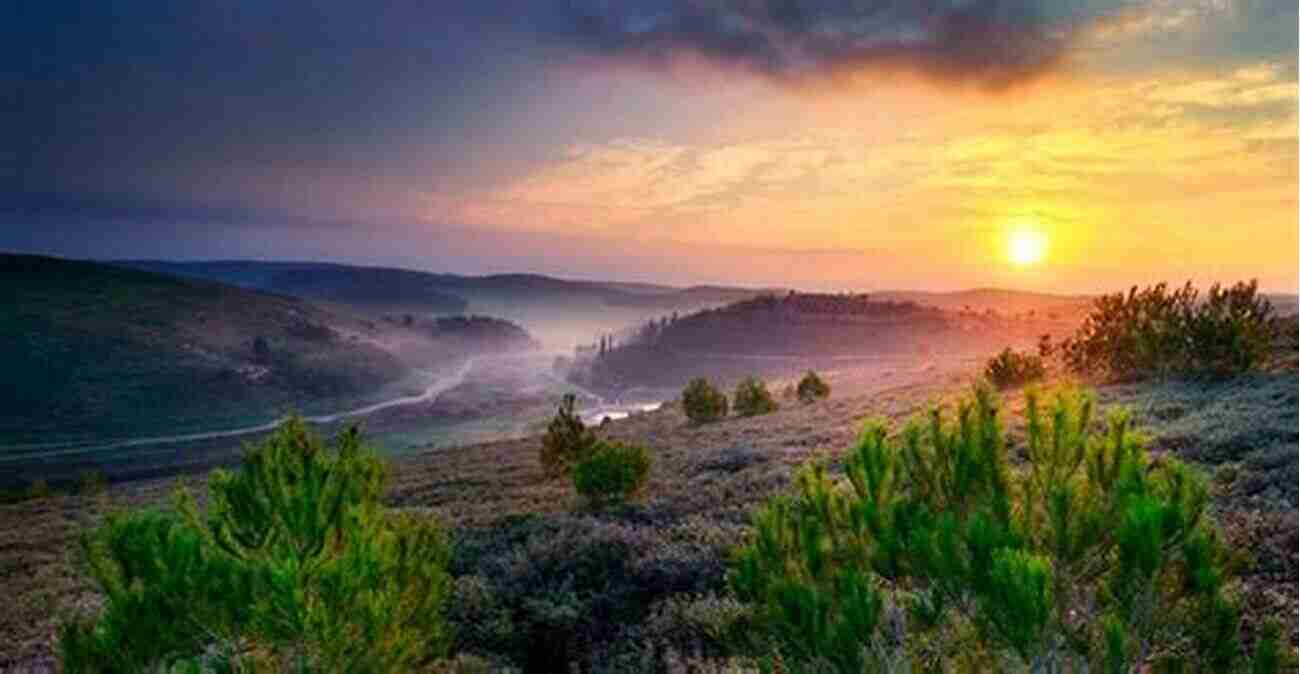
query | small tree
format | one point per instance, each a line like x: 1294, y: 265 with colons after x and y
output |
x: 567, y: 440
x: 1013, y: 368
x: 812, y: 388
x: 702, y: 402
x: 934, y: 554
x: 752, y: 398
x: 295, y: 566
x: 613, y: 471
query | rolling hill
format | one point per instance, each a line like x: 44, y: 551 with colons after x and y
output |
x: 778, y: 335
x: 373, y: 290
x: 98, y: 352
x: 389, y: 290
x: 997, y: 299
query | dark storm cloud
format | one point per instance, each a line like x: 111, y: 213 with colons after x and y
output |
x: 157, y: 95
x: 989, y: 42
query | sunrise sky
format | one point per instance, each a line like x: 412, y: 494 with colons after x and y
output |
x: 939, y: 144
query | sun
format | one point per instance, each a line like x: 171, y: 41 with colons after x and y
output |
x: 1026, y: 247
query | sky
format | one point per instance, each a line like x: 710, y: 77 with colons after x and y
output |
x: 826, y: 144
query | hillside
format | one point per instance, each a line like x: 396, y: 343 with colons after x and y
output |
x: 778, y: 335
x: 103, y: 352
x: 541, y: 579
x: 374, y: 290
x: 483, y: 333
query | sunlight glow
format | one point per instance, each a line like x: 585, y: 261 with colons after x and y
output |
x: 1026, y: 247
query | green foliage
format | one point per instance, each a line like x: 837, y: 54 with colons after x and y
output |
x: 812, y: 388
x: 567, y: 440
x: 1013, y: 368
x: 1270, y: 656
x: 1158, y: 331
x: 933, y: 552
x: 612, y: 472
x: 703, y: 402
x: 294, y: 566
x: 752, y: 398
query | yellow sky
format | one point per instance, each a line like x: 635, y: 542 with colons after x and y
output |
x: 1129, y: 178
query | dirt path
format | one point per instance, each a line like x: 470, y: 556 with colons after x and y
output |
x: 64, y: 450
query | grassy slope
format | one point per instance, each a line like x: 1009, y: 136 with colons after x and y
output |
x: 101, y: 351
x: 539, y: 573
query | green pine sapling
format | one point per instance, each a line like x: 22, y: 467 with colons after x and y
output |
x: 294, y: 566
x: 936, y: 553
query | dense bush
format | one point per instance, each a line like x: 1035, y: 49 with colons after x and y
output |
x: 1158, y: 331
x: 549, y: 593
x: 934, y: 554
x: 812, y: 388
x: 752, y: 398
x: 612, y: 471
x: 566, y: 441
x: 702, y: 402
x: 295, y: 566
x: 1013, y: 368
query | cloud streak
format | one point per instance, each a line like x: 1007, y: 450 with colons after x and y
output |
x: 985, y: 42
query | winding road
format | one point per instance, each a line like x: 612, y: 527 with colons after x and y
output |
x: 435, y: 389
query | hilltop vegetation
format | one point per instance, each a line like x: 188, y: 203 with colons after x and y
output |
x: 483, y: 333
x: 787, y: 334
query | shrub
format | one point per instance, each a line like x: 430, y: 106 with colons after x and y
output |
x: 612, y: 472
x: 567, y: 440
x: 812, y: 388
x: 296, y: 565
x: 1157, y: 331
x: 752, y: 398
x: 702, y: 402
x: 934, y: 552
x: 1012, y: 368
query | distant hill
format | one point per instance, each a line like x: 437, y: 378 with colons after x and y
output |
x: 1020, y: 301
x: 783, y: 334
x: 371, y: 289
x: 94, y: 351
x: 389, y: 290
x: 995, y: 299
